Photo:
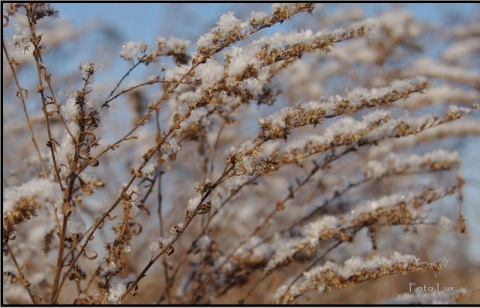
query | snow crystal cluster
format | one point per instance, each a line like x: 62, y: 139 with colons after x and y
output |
x: 228, y: 23
x: 133, y: 51
x: 76, y: 224
x: 22, y: 37
x: 194, y: 202
x: 118, y: 287
x: 43, y: 190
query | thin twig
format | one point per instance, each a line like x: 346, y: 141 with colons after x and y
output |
x: 25, y: 112
x: 25, y: 282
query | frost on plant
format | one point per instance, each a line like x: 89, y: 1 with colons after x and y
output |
x: 280, y: 154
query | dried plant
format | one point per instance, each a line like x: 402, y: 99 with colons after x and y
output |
x: 250, y: 168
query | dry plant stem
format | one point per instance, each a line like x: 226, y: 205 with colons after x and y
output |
x: 139, y: 86
x: 90, y: 282
x: 166, y: 94
x: 145, y: 118
x: 350, y: 231
x: 93, y: 228
x: 59, y: 266
x: 337, y: 194
x: 216, y: 211
x: 461, y: 228
x: 318, y: 210
x: 172, y: 278
x: 150, y: 187
x: 128, y: 90
x: 204, y: 231
x: 167, y: 278
x: 24, y: 282
x: 121, y: 196
x: 148, y: 156
x: 37, y: 54
x: 159, y: 200
x: 142, y: 59
x: 202, y: 59
x: 22, y: 100
x: 40, y: 67
x: 314, y: 263
x: 157, y: 123
x: 50, y: 142
x: 160, y: 218
x: 214, y: 149
x: 267, y: 274
x: 47, y: 77
x: 188, y: 219
x: 68, y: 202
x: 79, y: 287
x: 280, y: 206
x: 327, y: 161
x: 218, y: 89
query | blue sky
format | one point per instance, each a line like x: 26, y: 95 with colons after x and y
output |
x: 147, y: 21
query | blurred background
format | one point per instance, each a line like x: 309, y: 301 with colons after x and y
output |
x: 97, y: 31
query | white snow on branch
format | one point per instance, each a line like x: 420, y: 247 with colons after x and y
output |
x: 43, y: 190
x: 209, y: 73
x: 118, y: 287
x: 461, y: 49
x: 312, y: 112
x: 194, y: 202
x: 339, y: 131
x: 443, y: 94
x: 133, y: 50
x: 356, y: 263
x: 332, y: 274
x: 329, y: 227
x: 435, y: 69
x: 458, y: 128
x: 227, y: 23
x: 247, y: 58
x: 396, y: 163
x: 22, y: 37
